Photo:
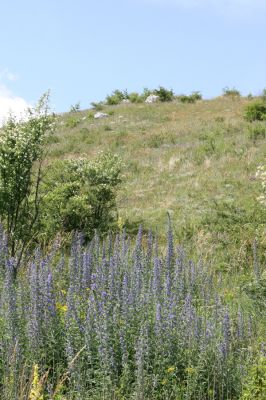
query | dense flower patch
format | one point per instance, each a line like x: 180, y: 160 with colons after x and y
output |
x: 117, y: 321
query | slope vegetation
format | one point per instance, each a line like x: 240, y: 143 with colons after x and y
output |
x: 196, y: 161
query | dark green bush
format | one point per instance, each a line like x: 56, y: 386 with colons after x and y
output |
x: 80, y: 195
x: 164, y: 94
x: 116, y: 97
x: 186, y: 99
x: 192, y: 98
x: 231, y: 92
x: 255, y: 111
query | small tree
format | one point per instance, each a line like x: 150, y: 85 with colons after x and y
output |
x: 255, y: 111
x: 21, y: 157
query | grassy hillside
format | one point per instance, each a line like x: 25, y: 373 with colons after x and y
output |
x: 196, y: 161
x: 128, y: 319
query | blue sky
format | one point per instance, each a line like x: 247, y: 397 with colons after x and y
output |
x: 82, y: 50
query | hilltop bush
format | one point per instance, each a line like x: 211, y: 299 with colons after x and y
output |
x: 80, y: 195
x: 135, y: 97
x: 255, y: 111
x: 231, y: 92
x: 116, y: 97
x: 147, y: 92
x: 192, y: 98
x: 164, y: 94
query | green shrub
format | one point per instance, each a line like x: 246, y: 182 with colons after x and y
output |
x: 255, y: 111
x: 135, y: 97
x: 116, y: 97
x: 97, y: 106
x: 80, y: 195
x: 22, y: 148
x: 183, y: 98
x: 196, y: 95
x: 72, y: 122
x: 112, y: 100
x: 231, y: 92
x: 146, y: 93
x: 192, y: 98
x: 90, y: 115
x: 164, y: 94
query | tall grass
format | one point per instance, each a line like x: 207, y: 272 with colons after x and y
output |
x: 120, y: 321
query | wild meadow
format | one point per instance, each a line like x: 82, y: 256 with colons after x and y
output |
x: 132, y: 251
x: 120, y: 320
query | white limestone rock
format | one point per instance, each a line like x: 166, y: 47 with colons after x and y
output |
x: 100, y: 115
x: 152, y: 98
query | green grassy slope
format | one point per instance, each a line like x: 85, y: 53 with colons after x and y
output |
x: 197, y: 161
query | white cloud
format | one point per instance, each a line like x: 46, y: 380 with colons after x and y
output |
x: 11, y: 104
